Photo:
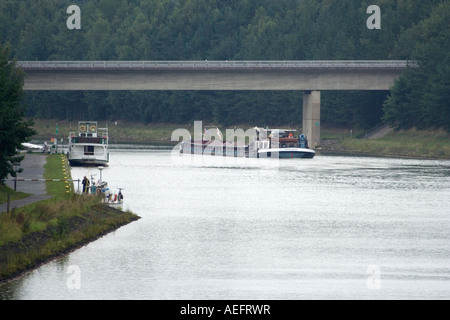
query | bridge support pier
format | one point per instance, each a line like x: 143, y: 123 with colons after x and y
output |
x: 311, y: 117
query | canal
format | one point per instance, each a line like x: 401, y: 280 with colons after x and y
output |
x: 217, y: 228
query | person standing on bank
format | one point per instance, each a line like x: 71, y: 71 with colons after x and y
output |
x: 85, y: 184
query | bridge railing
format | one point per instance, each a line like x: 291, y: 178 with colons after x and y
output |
x: 306, y: 64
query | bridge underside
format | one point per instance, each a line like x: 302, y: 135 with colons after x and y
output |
x: 211, y: 80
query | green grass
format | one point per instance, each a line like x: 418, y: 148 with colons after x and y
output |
x: 14, y: 195
x: 38, y: 216
x: 339, y: 134
x: 57, y: 167
x: 432, y: 144
x: 134, y: 132
x: 123, y: 132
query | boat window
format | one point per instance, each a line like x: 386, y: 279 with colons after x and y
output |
x: 88, y: 150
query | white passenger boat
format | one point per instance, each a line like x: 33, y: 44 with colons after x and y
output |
x: 88, y: 146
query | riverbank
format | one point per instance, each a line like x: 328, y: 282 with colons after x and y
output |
x: 431, y: 144
x: 397, y: 144
x: 39, y: 232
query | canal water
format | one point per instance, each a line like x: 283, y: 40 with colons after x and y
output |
x: 216, y: 228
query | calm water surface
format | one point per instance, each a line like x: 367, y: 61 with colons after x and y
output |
x: 215, y: 228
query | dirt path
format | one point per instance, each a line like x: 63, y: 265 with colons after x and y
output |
x: 379, y: 132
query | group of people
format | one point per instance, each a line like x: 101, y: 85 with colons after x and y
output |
x: 113, y: 197
x: 109, y: 196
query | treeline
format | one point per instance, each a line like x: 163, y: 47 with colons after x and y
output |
x: 238, y: 30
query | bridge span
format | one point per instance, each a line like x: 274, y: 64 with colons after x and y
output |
x: 308, y: 76
x: 211, y: 75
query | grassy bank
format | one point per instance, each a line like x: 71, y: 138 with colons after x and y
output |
x: 35, y: 234
x: 406, y: 144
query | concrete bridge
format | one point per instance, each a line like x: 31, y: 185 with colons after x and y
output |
x: 311, y: 77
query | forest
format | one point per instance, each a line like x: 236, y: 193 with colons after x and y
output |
x: 239, y: 30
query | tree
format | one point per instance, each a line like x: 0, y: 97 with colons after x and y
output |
x: 13, y: 129
x: 420, y: 96
x: 438, y: 96
x: 402, y: 107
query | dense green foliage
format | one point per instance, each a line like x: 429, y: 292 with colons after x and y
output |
x: 13, y: 130
x: 238, y: 30
x: 421, y: 97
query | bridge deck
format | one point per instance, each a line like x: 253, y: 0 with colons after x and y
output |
x: 211, y: 75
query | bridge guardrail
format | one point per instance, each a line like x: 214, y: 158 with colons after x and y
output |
x: 133, y: 65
